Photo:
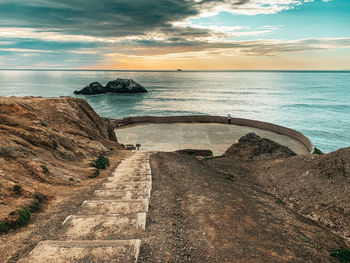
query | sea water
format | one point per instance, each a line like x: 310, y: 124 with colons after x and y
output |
x: 314, y: 103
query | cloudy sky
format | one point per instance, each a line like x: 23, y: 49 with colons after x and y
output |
x: 170, y: 34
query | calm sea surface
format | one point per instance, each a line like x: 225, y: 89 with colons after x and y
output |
x: 315, y: 103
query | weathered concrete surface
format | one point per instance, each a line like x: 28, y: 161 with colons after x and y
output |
x: 122, y: 194
x: 85, y: 251
x: 127, y: 185
x: 97, y: 207
x: 110, y: 227
x: 203, y: 136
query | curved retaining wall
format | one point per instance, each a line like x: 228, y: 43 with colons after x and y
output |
x: 217, y: 119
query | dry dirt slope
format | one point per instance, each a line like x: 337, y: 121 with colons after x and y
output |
x: 199, y: 215
x: 60, y: 134
x: 316, y: 186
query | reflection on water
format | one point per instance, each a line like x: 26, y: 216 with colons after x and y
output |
x: 317, y: 104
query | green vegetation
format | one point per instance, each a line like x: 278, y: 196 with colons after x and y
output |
x: 24, y: 216
x: 4, y: 227
x: 17, y: 189
x: 21, y: 215
x: 96, y: 173
x: 101, y: 163
x: 343, y: 255
x: 44, y: 169
x: 36, y: 203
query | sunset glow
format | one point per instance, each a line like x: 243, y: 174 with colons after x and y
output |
x: 165, y: 35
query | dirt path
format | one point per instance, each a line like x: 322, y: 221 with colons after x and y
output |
x: 196, y: 215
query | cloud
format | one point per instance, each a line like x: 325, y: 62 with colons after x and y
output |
x: 263, y: 47
x: 72, y: 31
x: 120, y: 18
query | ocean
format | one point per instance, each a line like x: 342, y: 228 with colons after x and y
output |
x: 314, y: 103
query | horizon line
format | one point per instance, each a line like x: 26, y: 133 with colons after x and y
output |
x: 183, y: 70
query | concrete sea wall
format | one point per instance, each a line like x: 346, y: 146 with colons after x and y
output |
x: 216, y: 119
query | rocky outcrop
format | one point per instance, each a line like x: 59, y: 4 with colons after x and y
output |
x: 93, y: 88
x: 114, y: 86
x: 317, y: 151
x: 195, y: 152
x: 45, y: 142
x: 253, y: 147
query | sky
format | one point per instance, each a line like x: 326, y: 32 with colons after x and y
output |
x: 171, y: 34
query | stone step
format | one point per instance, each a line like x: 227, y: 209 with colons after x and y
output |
x: 98, y: 227
x: 136, y: 174
x: 122, y: 194
x: 97, y: 251
x: 132, y: 171
x: 132, y: 166
x: 128, y: 179
x: 105, y: 207
x: 127, y: 185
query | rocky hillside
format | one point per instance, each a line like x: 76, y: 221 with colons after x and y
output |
x: 317, y: 186
x: 47, y: 142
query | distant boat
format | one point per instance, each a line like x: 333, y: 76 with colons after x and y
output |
x: 179, y: 69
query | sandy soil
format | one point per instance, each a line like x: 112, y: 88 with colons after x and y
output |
x: 199, y: 215
x: 61, y: 134
x: 47, y: 224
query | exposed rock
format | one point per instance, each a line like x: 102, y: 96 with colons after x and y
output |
x: 253, y: 147
x: 93, y: 88
x: 114, y: 86
x: 317, y: 151
x: 125, y: 86
x: 194, y: 152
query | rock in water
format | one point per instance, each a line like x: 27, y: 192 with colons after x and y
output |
x: 253, y: 147
x: 93, y: 88
x: 115, y: 86
x: 125, y: 86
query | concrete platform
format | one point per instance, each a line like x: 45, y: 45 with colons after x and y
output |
x: 105, y: 207
x: 118, y: 251
x: 207, y: 136
x: 98, y: 227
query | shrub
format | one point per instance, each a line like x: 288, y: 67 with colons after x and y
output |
x: 17, y: 189
x: 343, y: 255
x: 101, y: 163
x: 37, y: 196
x: 44, y: 169
x: 4, y: 227
x: 24, y: 216
x: 36, y: 203
x: 96, y: 173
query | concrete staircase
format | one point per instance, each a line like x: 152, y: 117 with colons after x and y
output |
x: 107, y: 227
